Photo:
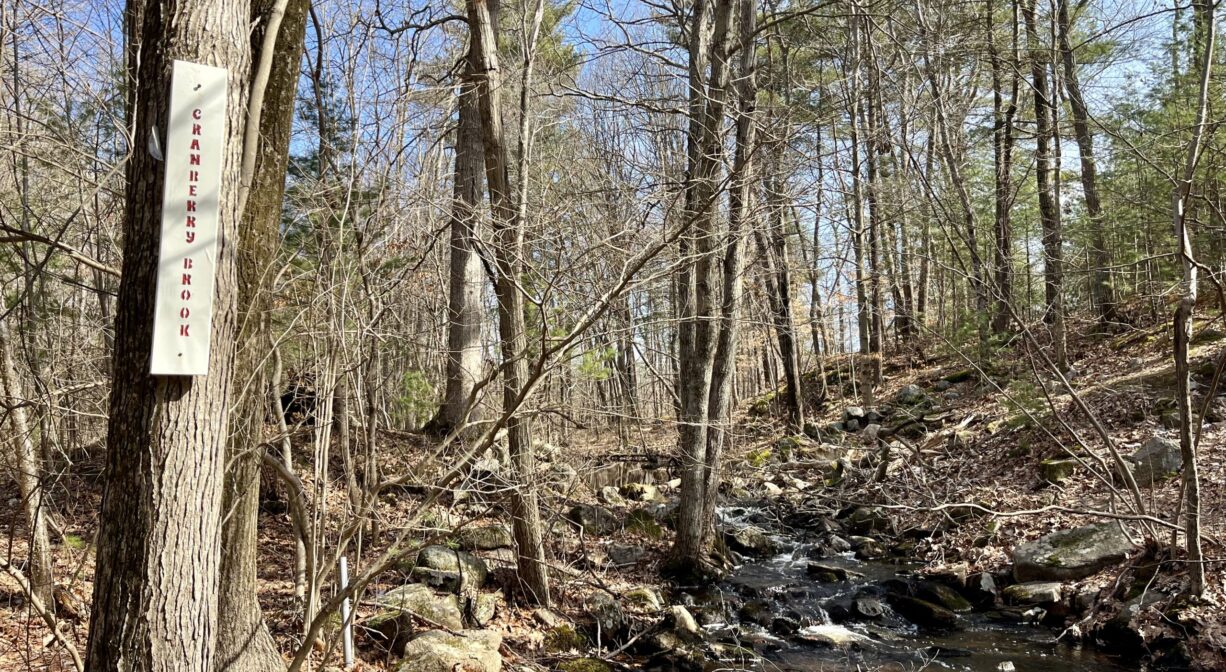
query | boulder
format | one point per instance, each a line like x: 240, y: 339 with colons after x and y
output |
x: 644, y: 598
x: 607, y: 616
x: 457, y: 571
x: 981, y: 588
x: 611, y: 496
x: 924, y: 613
x: 853, y: 413
x: 584, y: 665
x: 1072, y: 554
x: 1057, y: 471
x: 624, y: 555
x: 824, y: 573
x: 865, y: 519
x: 439, y: 651
x: 911, y: 395
x: 852, y: 426
x: 942, y: 385
x: 681, y: 622
x: 595, y: 520
x: 942, y: 595
x: 485, y: 538
x: 1155, y: 461
x: 749, y: 540
x: 868, y: 606
x: 1034, y: 592
x: 400, y: 606
x: 641, y: 492
x: 867, y: 548
x: 483, y: 609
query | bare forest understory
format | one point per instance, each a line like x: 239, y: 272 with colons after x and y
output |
x: 979, y: 467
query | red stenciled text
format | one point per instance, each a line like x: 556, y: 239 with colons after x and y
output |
x: 189, y: 225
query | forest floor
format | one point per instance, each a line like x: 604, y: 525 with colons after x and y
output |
x: 986, y: 447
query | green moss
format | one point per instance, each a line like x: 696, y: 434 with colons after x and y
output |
x: 961, y: 376
x: 584, y: 665
x: 74, y: 542
x: 642, y: 522
x: 564, y: 638
x: 1207, y: 336
x: 1068, y: 543
x: 759, y: 458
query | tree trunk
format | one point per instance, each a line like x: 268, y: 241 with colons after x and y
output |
x: 1101, y: 288
x: 508, y: 258
x: 243, y: 641
x: 697, y: 308
x: 1002, y: 156
x: 1205, y: 34
x: 1045, y: 176
x: 465, y: 277
x: 774, y: 250
x: 29, y: 474
x: 158, y: 560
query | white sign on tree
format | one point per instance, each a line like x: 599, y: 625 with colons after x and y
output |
x: 187, y: 259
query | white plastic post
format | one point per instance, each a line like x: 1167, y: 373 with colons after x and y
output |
x: 346, y: 624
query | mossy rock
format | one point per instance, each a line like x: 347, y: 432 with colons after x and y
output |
x: 564, y: 638
x: 961, y: 376
x: 1057, y: 470
x: 1071, y: 554
x: 640, y: 521
x: 1207, y: 336
x: 759, y: 458
x: 584, y: 665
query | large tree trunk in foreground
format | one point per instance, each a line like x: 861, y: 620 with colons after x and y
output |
x: 697, y: 284
x: 159, y: 552
x: 243, y: 641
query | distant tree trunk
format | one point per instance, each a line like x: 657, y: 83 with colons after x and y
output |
x: 1049, y: 205
x: 508, y: 258
x: 243, y: 641
x: 465, y: 276
x: 1205, y: 33
x: 872, y: 154
x: 1101, y: 288
x: 774, y: 247
x: 159, y: 553
x: 978, y: 274
x: 1002, y: 155
x: 29, y: 473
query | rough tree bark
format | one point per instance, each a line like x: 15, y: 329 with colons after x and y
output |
x: 464, y: 277
x: 1045, y: 175
x: 508, y: 260
x: 1205, y: 35
x: 1101, y: 289
x: 243, y: 641
x: 697, y: 285
x: 739, y: 196
x: 1002, y: 163
x: 159, y: 553
x: 29, y: 473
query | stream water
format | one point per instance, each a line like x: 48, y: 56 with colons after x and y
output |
x: 758, y: 593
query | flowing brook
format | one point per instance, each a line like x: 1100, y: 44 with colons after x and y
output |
x: 837, y: 613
